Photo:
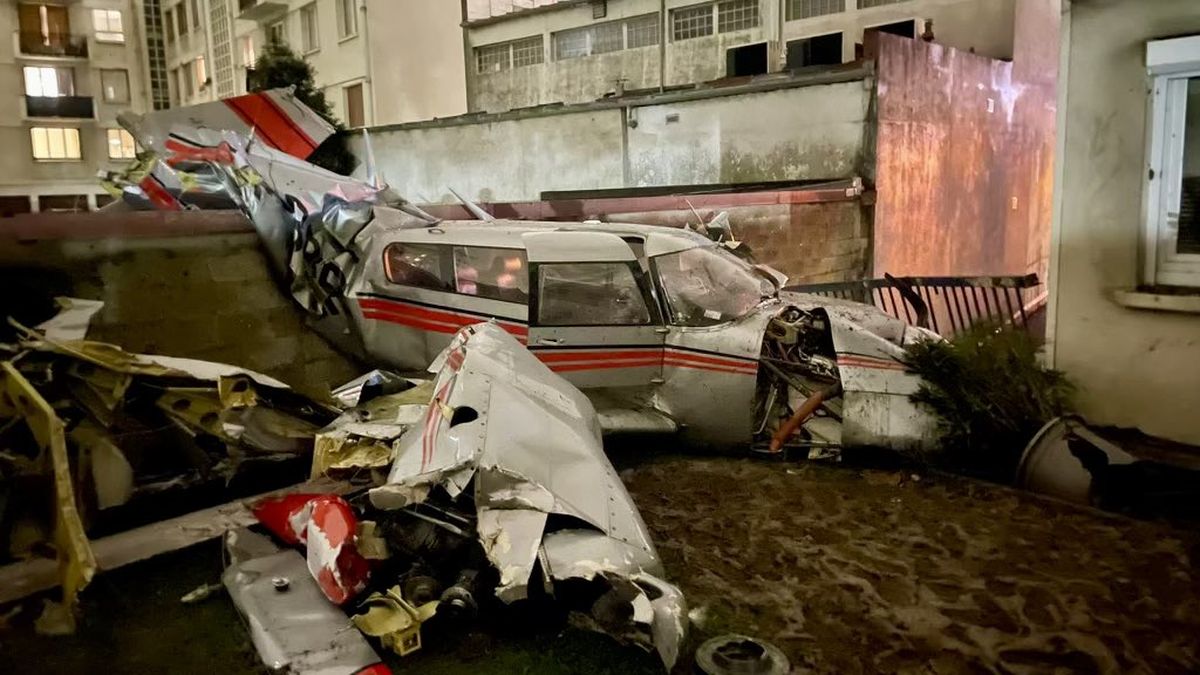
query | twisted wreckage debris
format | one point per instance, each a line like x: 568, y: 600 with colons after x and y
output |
x: 496, y: 490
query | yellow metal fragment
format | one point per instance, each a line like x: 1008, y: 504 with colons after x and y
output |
x: 77, y: 565
x: 394, y: 620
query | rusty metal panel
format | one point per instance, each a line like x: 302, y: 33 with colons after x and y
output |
x: 964, y: 158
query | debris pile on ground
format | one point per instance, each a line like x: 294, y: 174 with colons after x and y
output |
x: 498, y: 493
x: 101, y: 429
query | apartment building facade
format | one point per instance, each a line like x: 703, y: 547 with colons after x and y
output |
x: 69, y: 68
x: 369, y: 76
x: 573, y: 51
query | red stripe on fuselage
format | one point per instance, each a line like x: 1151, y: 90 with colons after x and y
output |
x: 429, y: 319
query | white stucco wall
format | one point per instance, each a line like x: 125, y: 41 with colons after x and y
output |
x: 1134, y: 368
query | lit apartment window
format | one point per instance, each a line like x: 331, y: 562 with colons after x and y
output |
x: 691, y: 22
x: 347, y: 18
x: 47, y: 81
x: 54, y: 143
x: 737, y: 15
x: 201, y: 71
x: 309, y: 39
x: 1172, y: 229
x: 248, y: 56
x: 277, y: 33
x: 506, y: 55
x: 864, y: 4
x: 804, y: 9
x: 196, y: 14
x: 108, y: 26
x: 115, y: 85
x: 611, y: 36
x: 121, y: 145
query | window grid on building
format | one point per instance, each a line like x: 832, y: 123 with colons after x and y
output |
x: 641, y: 31
x: 737, y: 15
x: 219, y: 28
x: 528, y: 51
x: 505, y: 55
x: 108, y: 25
x: 866, y: 4
x: 692, y: 22
x: 805, y: 9
x: 160, y: 93
x: 611, y: 36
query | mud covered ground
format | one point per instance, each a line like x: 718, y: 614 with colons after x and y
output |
x: 846, y: 570
x: 854, y: 571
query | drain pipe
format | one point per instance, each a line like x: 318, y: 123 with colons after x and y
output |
x: 366, y: 40
x: 662, y: 45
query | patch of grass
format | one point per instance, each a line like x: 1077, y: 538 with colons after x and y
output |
x: 991, y: 395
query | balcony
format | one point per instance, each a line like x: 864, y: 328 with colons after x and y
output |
x: 59, y: 45
x: 260, y: 10
x: 75, y: 107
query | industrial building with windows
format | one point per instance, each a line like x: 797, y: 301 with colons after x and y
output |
x: 574, y: 51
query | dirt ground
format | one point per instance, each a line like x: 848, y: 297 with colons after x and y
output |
x: 846, y: 570
x: 867, y: 571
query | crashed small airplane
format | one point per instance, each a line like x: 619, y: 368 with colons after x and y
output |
x: 665, y: 330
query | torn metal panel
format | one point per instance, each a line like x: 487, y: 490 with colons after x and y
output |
x: 73, y: 319
x: 292, y: 624
x: 531, y: 443
x: 105, y: 462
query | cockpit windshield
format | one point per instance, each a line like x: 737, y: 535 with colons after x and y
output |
x: 709, y: 285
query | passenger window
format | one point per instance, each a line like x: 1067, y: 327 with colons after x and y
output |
x: 590, y: 294
x: 416, y: 265
x: 493, y: 273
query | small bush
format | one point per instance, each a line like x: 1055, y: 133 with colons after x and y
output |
x: 991, y: 394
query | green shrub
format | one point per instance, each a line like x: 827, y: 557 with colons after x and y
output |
x: 991, y: 395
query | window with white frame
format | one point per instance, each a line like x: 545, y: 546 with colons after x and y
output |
x: 196, y: 14
x: 804, y: 9
x: 347, y: 18
x: 108, y: 26
x: 737, y: 15
x: 55, y: 143
x: 506, y: 55
x: 714, y: 17
x: 1172, y: 226
x: 49, y: 81
x: 121, y: 145
x: 691, y: 22
x: 611, y: 36
x: 200, y: 69
x: 310, y: 40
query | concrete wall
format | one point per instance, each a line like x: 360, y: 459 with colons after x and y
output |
x: 964, y: 153
x: 730, y: 136
x: 1133, y: 367
x: 811, y: 132
x: 192, y: 285
x: 20, y: 173
x: 985, y: 26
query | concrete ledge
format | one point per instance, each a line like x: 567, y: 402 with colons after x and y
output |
x: 122, y: 224
x: 1162, y: 302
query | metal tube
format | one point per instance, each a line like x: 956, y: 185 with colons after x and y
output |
x: 806, y: 409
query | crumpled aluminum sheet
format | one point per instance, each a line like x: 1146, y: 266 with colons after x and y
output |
x: 532, y: 443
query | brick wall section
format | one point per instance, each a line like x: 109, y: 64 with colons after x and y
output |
x: 811, y: 243
x: 207, y: 296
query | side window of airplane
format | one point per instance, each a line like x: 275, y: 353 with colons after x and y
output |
x: 417, y: 265
x: 493, y: 273
x: 590, y: 294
